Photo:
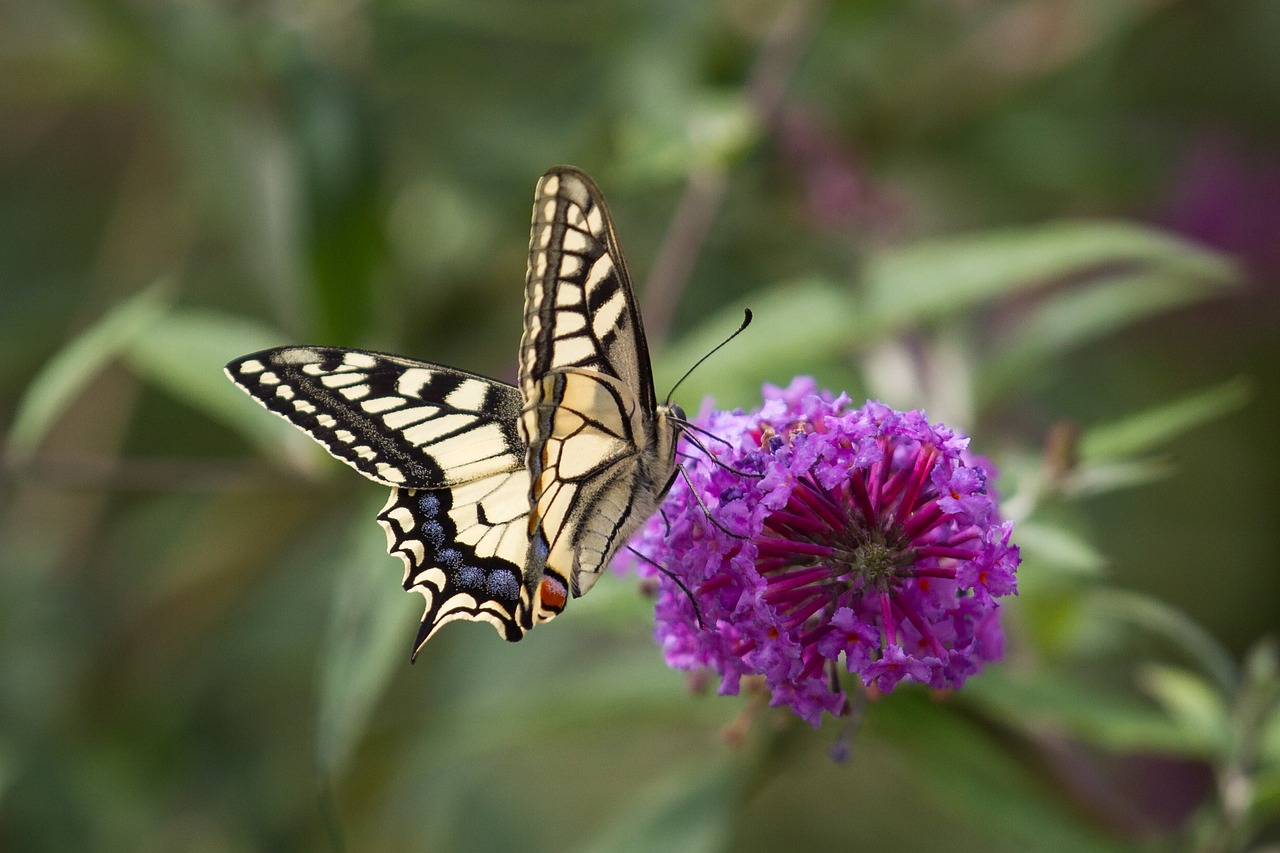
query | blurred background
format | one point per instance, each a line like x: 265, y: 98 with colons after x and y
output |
x: 1053, y: 223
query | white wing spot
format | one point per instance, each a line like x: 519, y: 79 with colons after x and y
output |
x: 269, y: 378
x: 412, y: 381
x: 569, y: 265
x: 434, y: 429
x: 345, y: 436
x: 404, y: 417
x: 326, y: 421
x: 569, y: 322
x: 402, y: 517
x: 600, y: 270
x: 390, y: 474
x: 469, y: 396
x: 382, y: 404
x: 574, y: 241
x: 359, y: 360
x: 304, y: 406
x: 574, y: 350
x: 479, y: 443
x: 251, y: 366
x: 355, y: 392
x: 568, y: 294
x: 606, y: 317
x: 341, y: 380
x: 284, y: 392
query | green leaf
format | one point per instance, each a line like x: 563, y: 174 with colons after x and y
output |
x: 685, y: 811
x: 1062, y: 548
x: 75, y: 365
x: 365, y: 645
x: 935, y: 279
x: 1090, y: 479
x: 1174, y: 626
x: 184, y: 353
x: 1083, y: 314
x: 1055, y: 701
x: 970, y: 771
x: 793, y: 327
x: 1192, y: 703
x: 1155, y: 427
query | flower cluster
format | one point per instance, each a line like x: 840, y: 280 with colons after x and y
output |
x: 822, y: 535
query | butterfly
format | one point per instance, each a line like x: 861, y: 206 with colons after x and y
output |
x: 505, y: 500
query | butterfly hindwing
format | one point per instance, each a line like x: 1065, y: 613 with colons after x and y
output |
x: 464, y: 550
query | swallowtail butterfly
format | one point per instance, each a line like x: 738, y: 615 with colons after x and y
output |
x: 504, y: 500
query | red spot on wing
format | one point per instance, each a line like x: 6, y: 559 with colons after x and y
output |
x: 553, y: 594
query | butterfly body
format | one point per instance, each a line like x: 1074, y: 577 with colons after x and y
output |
x: 504, y: 500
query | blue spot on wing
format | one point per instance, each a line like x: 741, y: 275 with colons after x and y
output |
x: 469, y: 577
x: 502, y: 583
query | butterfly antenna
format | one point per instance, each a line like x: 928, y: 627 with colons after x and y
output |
x: 697, y: 613
x: 714, y: 461
x: 689, y: 425
x: 711, y: 518
x: 746, y: 321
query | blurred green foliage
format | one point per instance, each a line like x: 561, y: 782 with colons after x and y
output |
x: 1052, y: 223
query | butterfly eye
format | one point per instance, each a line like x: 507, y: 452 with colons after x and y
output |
x: 552, y: 594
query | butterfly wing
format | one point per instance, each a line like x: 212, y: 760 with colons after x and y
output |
x: 397, y: 421
x: 601, y: 451
x: 447, y: 443
x: 463, y: 549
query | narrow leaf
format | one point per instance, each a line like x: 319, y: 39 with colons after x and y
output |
x: 359, y: 654
x: 1059, y: 547
x: 1075, y: 317
x: 1174, y: 626
x: 942, y: 277
x: 793, y: 327
x: 74, y: 367
x: 1192, y: 702
x: 1153, y: 428
x: 184, y: 353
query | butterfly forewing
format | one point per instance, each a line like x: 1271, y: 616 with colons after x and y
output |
x: 580, y: 310
x: 397, y: 421
x: 600, y: 449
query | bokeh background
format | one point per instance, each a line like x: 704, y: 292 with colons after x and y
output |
x: 1053, y: 223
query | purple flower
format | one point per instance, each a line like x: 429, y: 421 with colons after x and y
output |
x: 823, y: 537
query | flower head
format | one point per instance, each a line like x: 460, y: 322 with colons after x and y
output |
x: 824, y: 536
